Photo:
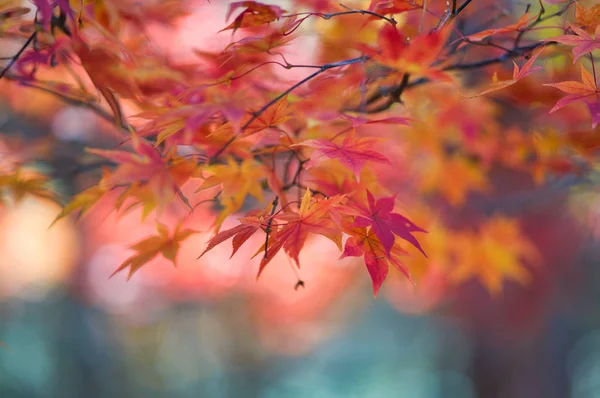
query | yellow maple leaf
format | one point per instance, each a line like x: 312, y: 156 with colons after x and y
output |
x: 453, y: 178
x: 494, y: 254
x: 21, y: 183
x: 237, y: 181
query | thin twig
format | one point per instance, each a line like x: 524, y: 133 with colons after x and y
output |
x: 257, y: 114
x: 461, y: 8
x: 593, y: 70
x: 14, y: 59
x: 349, y: 12
x: 98, y: 110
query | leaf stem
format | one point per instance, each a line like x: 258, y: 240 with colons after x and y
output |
x: 269, y: 224
x: 593, y: 70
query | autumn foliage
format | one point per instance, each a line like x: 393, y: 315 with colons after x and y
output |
x: 399, y: 118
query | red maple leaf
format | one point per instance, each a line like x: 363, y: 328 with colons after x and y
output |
x: 254, y: 220
x: 312, y: 217
x: 377, y: 258
x: 385, y: 224
x: 416, y: 56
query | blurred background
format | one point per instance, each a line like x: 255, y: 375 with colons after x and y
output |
x: 209, y: 329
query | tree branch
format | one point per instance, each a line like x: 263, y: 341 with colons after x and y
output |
x: 14, y: 59
x: 257, y: 114
x: 98, y: 110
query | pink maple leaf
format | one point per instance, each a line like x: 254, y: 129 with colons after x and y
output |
x: 353, y: 152
x: 582, y: 41
x: 385, y: 224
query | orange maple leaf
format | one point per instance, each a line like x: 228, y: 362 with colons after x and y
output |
x: 255, y: 14
x: 453, y: 178
x: 106, y: 70
x: 271, y: 117
x: 83, y: 202
x: 268, y: 42
x: 517, y: 26
x: 494, y: 254
x: 385, y: 7
x: 146, y: 166
x: 518, y: 74
x: 587, y: 18
x: 164, y: 243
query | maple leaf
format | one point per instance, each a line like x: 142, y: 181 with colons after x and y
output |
x: 113, y: 13
x: 494, y: 254
x: 44, y: 8
x: 386, y: 224
x: 163, y: 243
x: 377, y: 258
x: 582, y: 41
x: 255, y: 14
x: 517, y: 26
x: 339, y: 180
x: 237, y: 181
x: 268, y: 42
x: 106, y: 70
x: 312, y: 217
x: 518, y: 74
x: 146, y: 166
x: 586, y: 91
x: 252, y: 222
x: 326, y: 94
x: 453, y: 177
x: 28, y: 63
x: 272, y: 117
x: 21, y: 183
x: 196, y: 125
x: 587, y: 18
x: 352, y: 153
x: 385, y: 7
x: 83, y: 202
x: 415, y: 57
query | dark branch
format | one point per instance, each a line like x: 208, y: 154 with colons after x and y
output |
x: 18, y: 54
